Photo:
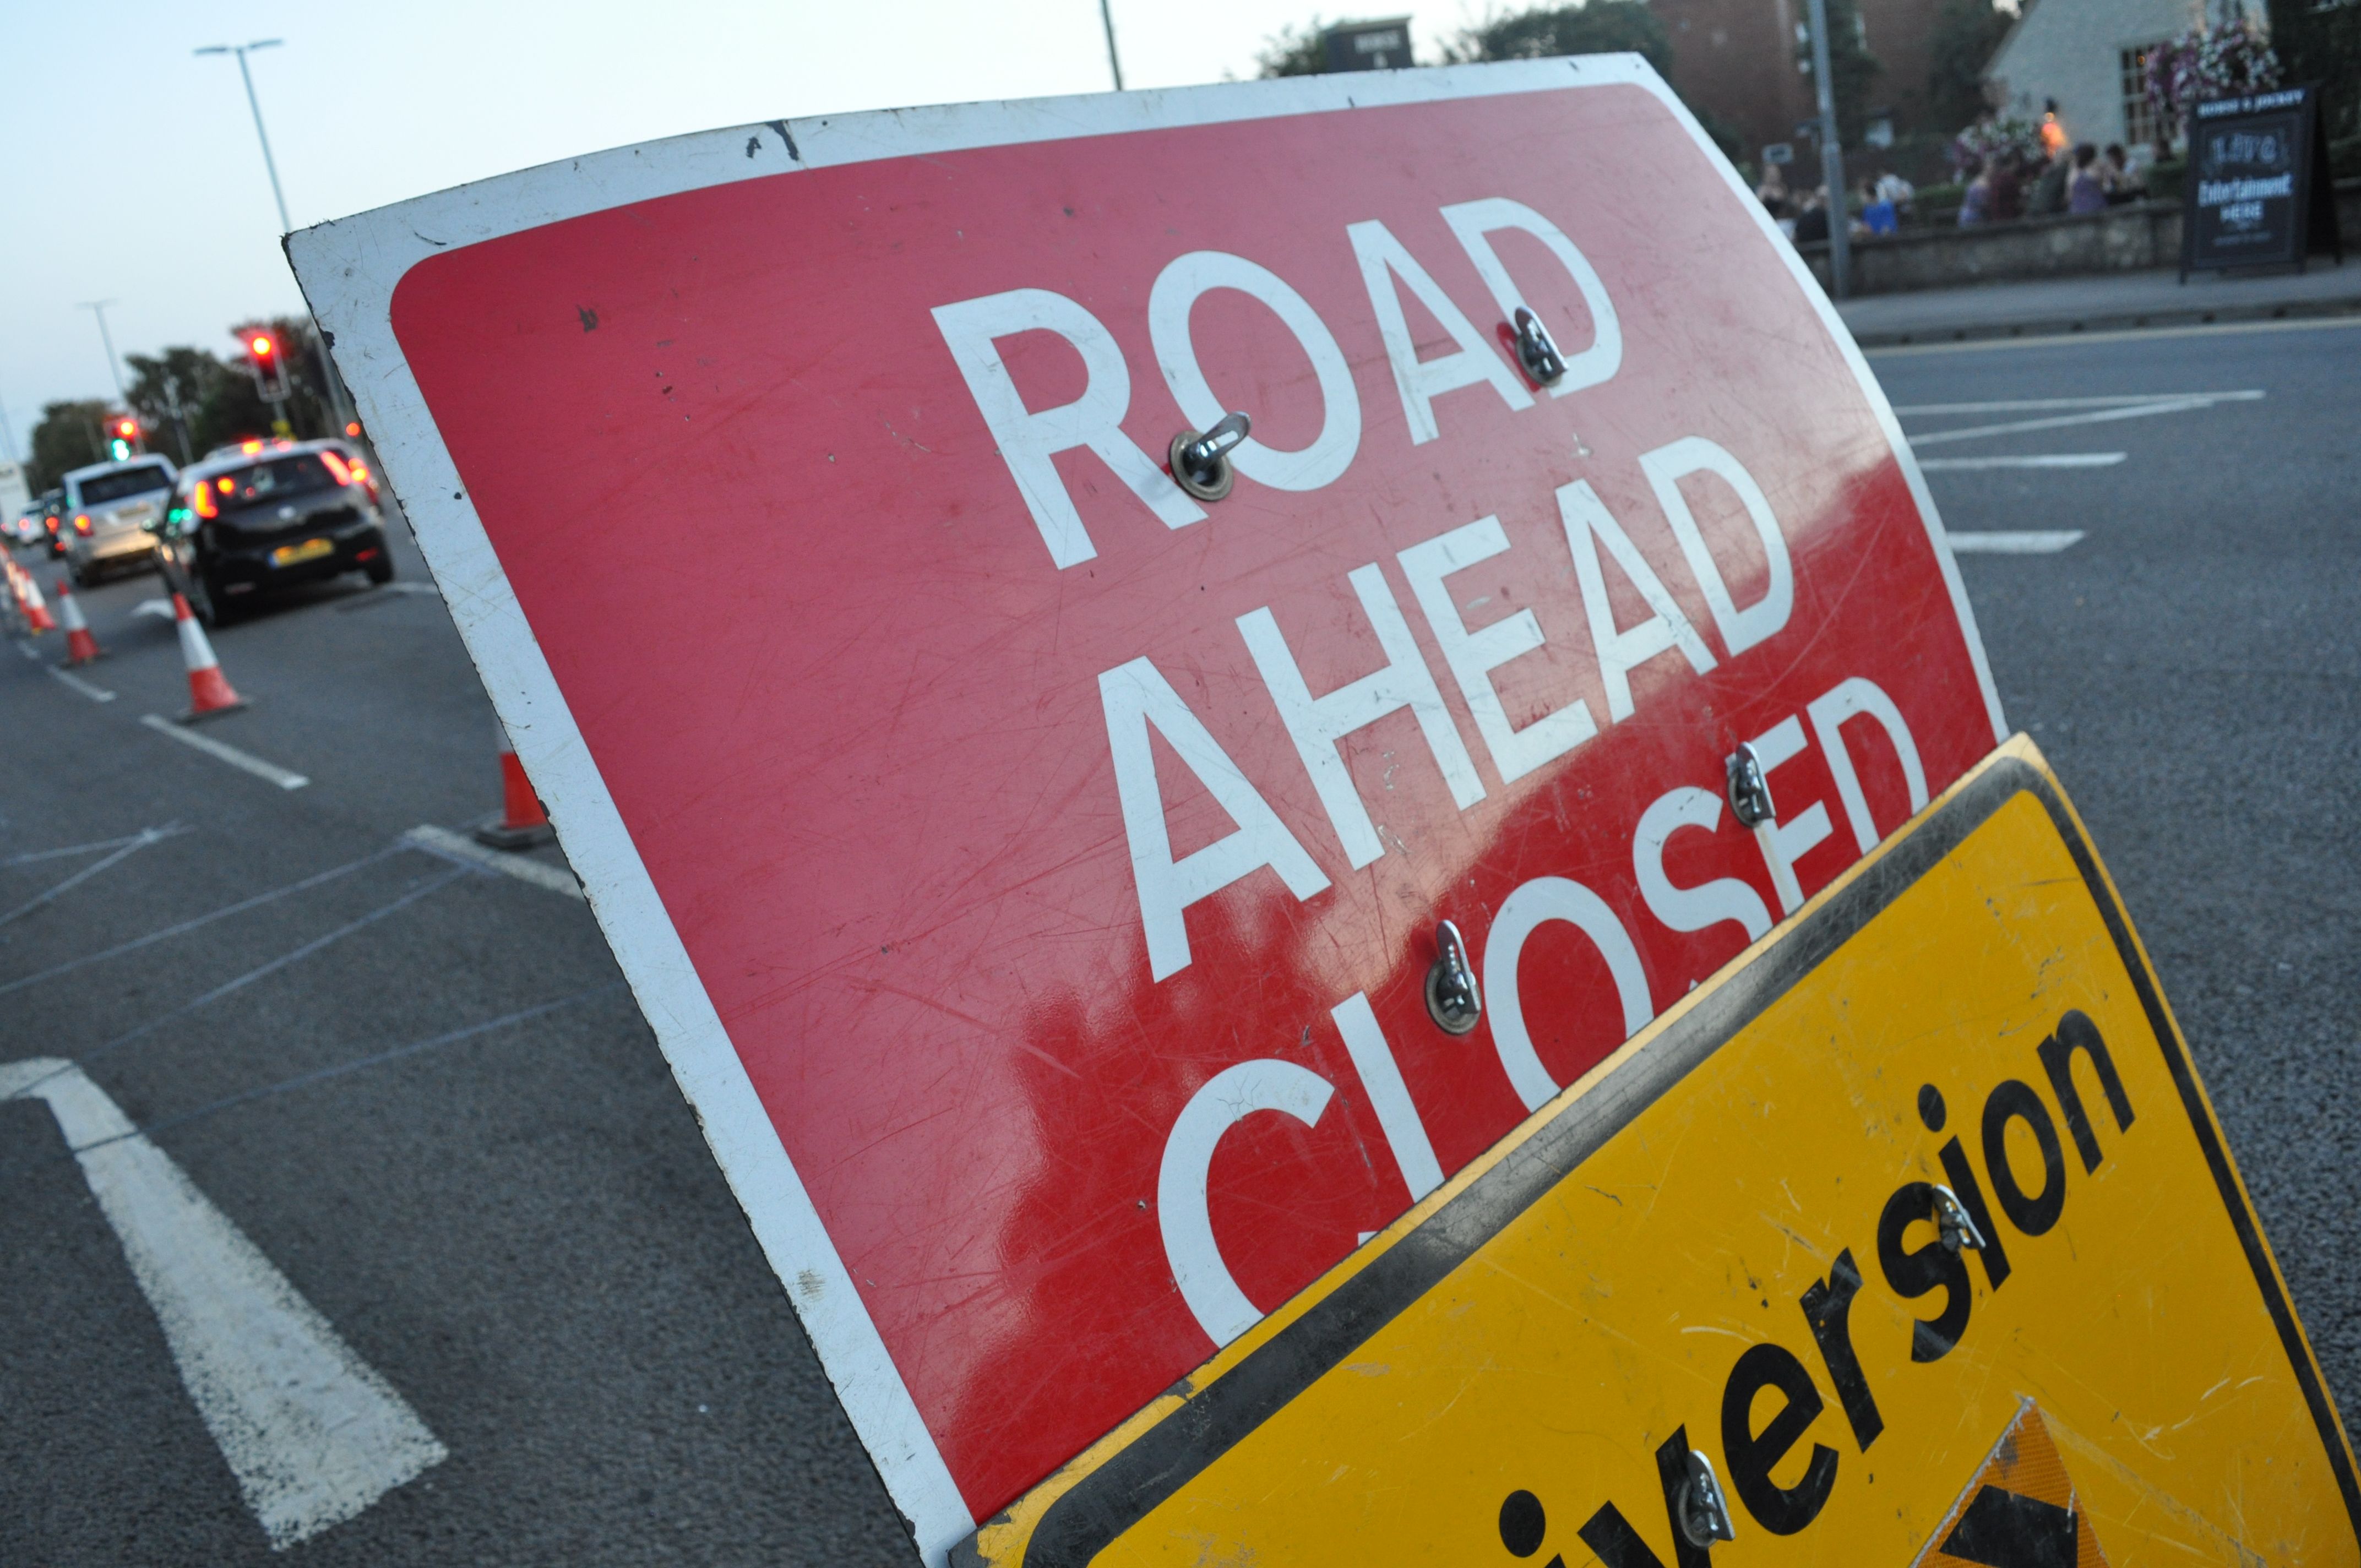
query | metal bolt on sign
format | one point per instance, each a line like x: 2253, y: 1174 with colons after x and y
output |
x: 1749, y: 792
x: 1952, y: 1219
x: 1536, y: 351
x: 1704, y: 1513
x: 1200, y: 462
x: 1452, y: 998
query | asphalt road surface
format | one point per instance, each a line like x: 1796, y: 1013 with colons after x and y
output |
x: 420, y: 1092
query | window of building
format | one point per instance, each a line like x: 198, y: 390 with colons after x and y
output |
x: 2140, y: 120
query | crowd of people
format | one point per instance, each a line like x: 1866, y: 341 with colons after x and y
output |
x: 2074, y: 178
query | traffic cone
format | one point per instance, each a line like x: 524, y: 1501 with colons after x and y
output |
x: 523, y: 822
x: 209, y: 691
x: 80, y: 646
x: 28, y: 599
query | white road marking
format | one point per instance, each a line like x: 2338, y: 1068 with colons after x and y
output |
x: 452, y: 846
x: 95, y: 693
x: 2034, y: 541
x: 313, y: 1433
x: 2127, y: 334
x: 140, y: 841
x: 2060, y: 422
x: 160, y: 609
x: 2029, y: 405
x: 32, y: 855
x: 230, y: 754
x: 27, y: 649
x: 2040, y: 460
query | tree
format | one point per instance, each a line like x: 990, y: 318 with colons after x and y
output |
x: 1965, y: 35
x: 1602, y: 27
x: 2319, y: 41
x: 1294, y: 51
x: 1851, y: 68
x: 71, y: 435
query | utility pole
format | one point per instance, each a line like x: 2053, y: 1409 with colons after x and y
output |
x: 180, y: 421
x: 98, y: 309
x: 1115, y: 60
x: 1831, y: 157
x: 8, y: 435
x: 331, y: 389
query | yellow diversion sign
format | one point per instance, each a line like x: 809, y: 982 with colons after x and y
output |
x: 1910, y: 1240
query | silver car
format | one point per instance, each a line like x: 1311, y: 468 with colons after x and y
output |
x: 108, y: 509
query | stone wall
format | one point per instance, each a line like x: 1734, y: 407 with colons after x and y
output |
x: 2143, y: 236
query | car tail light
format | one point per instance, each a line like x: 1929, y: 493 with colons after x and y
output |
x: 336, y: 469
x: 82, y: 522
x: 202, y: 501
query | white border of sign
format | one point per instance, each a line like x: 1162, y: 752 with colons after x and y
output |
x: 348, y: 271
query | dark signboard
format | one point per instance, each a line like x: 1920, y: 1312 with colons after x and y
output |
x: 1368, y: 46
x: 2257, y: 192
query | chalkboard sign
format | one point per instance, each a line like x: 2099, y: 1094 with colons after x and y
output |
x: 2257, y: 191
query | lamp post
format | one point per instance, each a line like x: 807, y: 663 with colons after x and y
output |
x: 1115, y: 60
x: 328, y: 382
x: 106, y: 340
x: 1839, y: 207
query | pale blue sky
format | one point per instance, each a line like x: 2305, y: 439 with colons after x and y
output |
x: 132, y: 172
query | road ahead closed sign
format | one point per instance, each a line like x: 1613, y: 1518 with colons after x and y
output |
x: 1034, y: 859
x: 1910, y: 1241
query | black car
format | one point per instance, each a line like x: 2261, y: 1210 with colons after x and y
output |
x: 269, y: 517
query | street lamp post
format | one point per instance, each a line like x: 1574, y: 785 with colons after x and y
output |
x: 106, y: 340
x: 1115, y: 60
x: 335, y: 389
x: 1832, y: 174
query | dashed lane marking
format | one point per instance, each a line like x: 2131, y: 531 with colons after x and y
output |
x: 312, y: 1431
x: 95, y: 693
x: 230, y: 754
x: 2100, y: 416
x: 2034, y: 542
x: 459, y: 847
x: 2039, y: 460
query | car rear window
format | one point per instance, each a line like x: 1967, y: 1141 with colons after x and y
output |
x: 101, y: 489
x: 274, y: 479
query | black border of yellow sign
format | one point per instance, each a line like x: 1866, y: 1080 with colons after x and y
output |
x: 1099, y: 1505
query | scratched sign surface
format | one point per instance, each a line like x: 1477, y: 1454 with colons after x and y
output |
x: 1033, y: 870
x: 1726, y: 1243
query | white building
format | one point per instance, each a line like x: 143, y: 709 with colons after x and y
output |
x: 2090, y: 56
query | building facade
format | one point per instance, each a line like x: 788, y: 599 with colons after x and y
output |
x: 2090, y: 58
x: 1736, y: 61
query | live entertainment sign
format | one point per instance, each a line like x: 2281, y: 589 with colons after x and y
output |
x: 1032, y: 868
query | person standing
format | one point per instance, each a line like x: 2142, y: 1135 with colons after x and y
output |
x: 2086, y: 192
x: 1975, y: 207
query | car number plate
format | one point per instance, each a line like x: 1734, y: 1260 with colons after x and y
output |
x: 310, y: 550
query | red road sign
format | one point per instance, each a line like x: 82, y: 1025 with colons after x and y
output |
x: 1032, y: 871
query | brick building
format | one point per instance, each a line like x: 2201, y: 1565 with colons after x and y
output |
x: 1735, y: 60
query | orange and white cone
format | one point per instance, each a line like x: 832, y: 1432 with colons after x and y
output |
x: 523, y: 822
x: 80, y: 646
x: 28, y: 599
x: 209, y: 690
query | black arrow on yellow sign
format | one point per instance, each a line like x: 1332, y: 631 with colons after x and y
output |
x: 2007, y: 1529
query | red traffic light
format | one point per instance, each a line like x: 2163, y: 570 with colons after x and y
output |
x: 263, y: 347
x: 127, y: 428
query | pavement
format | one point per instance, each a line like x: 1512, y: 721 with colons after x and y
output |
x: 416, y: 1088
x: 2110, y: 302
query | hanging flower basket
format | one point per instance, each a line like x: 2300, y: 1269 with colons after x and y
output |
x: 2212, y: 61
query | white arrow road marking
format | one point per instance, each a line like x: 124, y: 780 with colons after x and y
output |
x: 2042, y: 460
x: 95, y: 693
x: 312, y: 1432
x: 450, y: 845
x: 230, y: 754
x: 2060, y: 422
x: 2034, y: 541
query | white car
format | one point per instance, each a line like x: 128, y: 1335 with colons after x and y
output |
x: 108, y: 509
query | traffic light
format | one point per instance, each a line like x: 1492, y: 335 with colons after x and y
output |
x: 266, y: 358
x: 122, y: 437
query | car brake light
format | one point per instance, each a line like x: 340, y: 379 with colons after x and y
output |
x: 82, y: 522
x: 202, y: 500
x: 251, y: 447
x: 336, y: 469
